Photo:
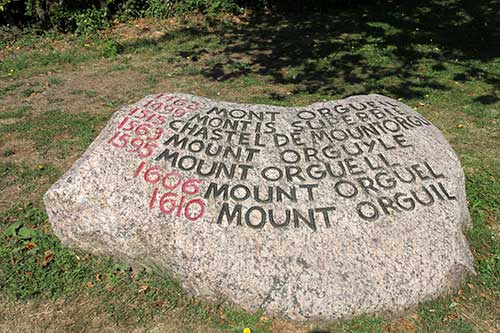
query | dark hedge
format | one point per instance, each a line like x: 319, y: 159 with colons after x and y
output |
x: 85, y: 16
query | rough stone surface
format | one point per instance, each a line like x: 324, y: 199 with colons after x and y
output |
x: 326, y: 211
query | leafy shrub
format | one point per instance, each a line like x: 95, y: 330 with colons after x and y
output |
x: 128, y: 9
x: 87, y: 16
x: 223, y: 6
x: 91, y: 20
x: 110, y: 49
x: 210, y: 7
x: 159, y: 8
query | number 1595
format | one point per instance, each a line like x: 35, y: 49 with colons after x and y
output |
x: 137, y: 145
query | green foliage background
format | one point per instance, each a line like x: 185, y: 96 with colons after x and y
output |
x: 86, y: 16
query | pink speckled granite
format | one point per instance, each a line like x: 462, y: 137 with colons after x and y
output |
x: 326, y: 211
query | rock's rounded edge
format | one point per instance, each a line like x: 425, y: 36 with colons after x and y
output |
x: 457, y: 274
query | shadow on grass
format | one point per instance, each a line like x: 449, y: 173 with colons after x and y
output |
x: 399, y: 49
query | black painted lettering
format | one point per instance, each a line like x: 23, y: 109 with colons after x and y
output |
x: 345, y: 189
x: 309, y: 188
x: 229, y: 215
x: 294, y: 172
x: 367, y: 211
x: 324, y: 211
x: 386, y: 203
x: 216, y: 190
x: 272, y: 173
x: 309, y: 221
x: 239, y: 192
x: 367, y: 184
x: 401, y: 140
x: 276, y: 224
x: 404, y: 202
x: 260, y: 217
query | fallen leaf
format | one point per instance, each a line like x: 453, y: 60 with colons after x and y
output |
x: 30, y: 245
x: 47, y: 257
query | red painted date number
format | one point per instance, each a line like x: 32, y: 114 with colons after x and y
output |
x: 170, y: 202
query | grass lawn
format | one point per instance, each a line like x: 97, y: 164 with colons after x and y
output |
x: 57, y: 91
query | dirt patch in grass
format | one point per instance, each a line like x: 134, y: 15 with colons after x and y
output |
x: 81, y: 314
x: 18, y: 150
x: 485, y: 320
x: 84, y: 314
x: 10, y: 192
x: 25, y: 172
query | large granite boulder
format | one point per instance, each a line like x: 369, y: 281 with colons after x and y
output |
x: 326, y: 211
